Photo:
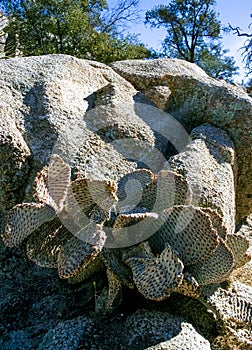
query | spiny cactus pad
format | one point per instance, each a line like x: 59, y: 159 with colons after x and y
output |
x: 131, y: 185
x: 181, y: 230
x: 23, y: 219
x: 58, y: 180
x: 111, y: 296
x: 239, y: 246
x: 216, y: 268
x: 44, y: 244
x: 86, y: 271
x: 114, y: 296
x: 189, y: 286
x: 83, y: 226
x: 85, y: 193
x: 217, y: 222
x: 40, y: 188
x: 77, y: 253
x: 51, y: 185
x: 88, y: 199
x: 157, y: 277
x: 132, y: 228
x: 166, y: 190
x: 141, y: 250
x: 113, y: 260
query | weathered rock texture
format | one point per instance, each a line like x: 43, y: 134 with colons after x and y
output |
x: 104, y: 128
x: 72, y: 107
x: 189, y: 94
x: 207, y: 162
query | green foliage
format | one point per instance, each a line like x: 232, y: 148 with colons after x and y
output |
x: 111, y: 49
x: 216, y: 64
x: 74, y: 27
x: 248, y: 86
x: 192, y: 30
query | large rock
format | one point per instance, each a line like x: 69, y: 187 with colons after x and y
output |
x: 160, y: 330
x: 188, y: 93
x: 79, y: 109
x: 207, y: 162
x: 103, y: 128
x: 150, y: 330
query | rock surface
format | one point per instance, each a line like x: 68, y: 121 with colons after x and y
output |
x: 189, y: 94
x: 169, y: 332
x: 81, y: 110
x: 104, y: 128
x: 207, y: 162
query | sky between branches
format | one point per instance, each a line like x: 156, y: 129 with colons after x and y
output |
x: 235, y: 12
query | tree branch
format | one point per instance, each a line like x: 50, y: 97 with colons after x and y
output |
x: 125, y: 11
x: 237, y: 31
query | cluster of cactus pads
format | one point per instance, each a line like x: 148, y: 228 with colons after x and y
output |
x: 143, y: 229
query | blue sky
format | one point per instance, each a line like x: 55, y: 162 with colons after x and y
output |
x: 236, y: 12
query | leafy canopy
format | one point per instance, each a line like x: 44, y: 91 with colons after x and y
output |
x: 193, y: 34
x: 75, y: 27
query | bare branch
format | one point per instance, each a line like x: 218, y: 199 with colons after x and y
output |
x: 117, y: 17
x: 247, y: 47
x: 237, y: 31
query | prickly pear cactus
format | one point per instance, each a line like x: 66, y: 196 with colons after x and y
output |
x: 160, y: 233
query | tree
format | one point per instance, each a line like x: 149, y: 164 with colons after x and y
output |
x: 216, y: 64
x: 247, y: 48
x: 193, y: 34
x: 116, y: 19
x: 248, y: 86
x: 75, y: 27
